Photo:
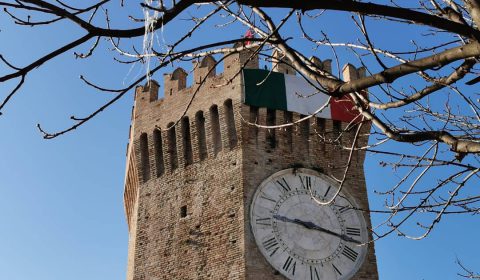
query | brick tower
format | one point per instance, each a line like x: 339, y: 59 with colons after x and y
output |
x: 190, y: 180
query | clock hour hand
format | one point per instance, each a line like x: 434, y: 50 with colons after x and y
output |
x: 311, y: 225
x: 284, y: 219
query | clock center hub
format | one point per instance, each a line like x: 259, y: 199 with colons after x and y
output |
x: 305, y: 238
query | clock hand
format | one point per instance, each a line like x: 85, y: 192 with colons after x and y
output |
x: 310, y: 225
x: 284, y: 219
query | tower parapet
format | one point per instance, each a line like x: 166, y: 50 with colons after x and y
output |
x: 204, y: 68
x: 178, y: 109
x: 281, y: 64
x: 174, y: 82
x: 350, y: 72
x: 234, y: 61
x: 325, y: 65
x: 148, y: 92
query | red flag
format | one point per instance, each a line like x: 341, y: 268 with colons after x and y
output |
x: 249, y: 34
x: 342, y: 109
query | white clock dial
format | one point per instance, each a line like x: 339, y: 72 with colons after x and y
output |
x: 301, y: 238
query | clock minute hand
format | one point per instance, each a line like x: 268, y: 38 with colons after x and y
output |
x: 311, y: 225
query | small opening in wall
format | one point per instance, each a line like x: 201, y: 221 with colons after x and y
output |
x: 337, y: 131
x: 230, y: 122
x: 337, y: 126
x: 201, y: 138
x: 157, y: 143
x: 253, y: 130
x: 215, y: 129
x: 305, y: 133
x: 320, y: 132
x: 183, y: 211
x: 172, y: 146
x: 270, y: 134
x: 187, y: 141
x: 144, y: 157
x: 288, y: 118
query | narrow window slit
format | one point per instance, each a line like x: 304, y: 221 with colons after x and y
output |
x: 215, y: 129
x: 183, y: 211
x: 202, y: 143
x: 270, y: 135
x: 187, y: 141
x: 172, y: 146
x: 288, y: 118
x: 305, y: 132
x: 337, y: 131
x: 320, y: 132
x: 230, y: 121
x: 253, y: 118
x: 157, y: 143
x: 144, y: 157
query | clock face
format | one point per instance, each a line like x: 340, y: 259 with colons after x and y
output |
x: 301, y: 238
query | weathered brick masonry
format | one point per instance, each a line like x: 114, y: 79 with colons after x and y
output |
x: 188, y: 189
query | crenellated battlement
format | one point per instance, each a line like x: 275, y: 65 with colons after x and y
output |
x: 204, y: 68
x: 167, y: 136
x: 212, y: 114
x: 174, y: 83
x: 178, y: 137
x: 350, y: 72
x: 204, y: 72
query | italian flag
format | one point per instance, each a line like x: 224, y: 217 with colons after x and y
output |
x: 292, y: 93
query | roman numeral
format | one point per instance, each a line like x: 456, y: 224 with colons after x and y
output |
x: 353, y: 231
x: 344, y: 209
x: 350, y: 253
x: 314, y: 273
x: 289, y: 265
x: 336, y: 269
x: 263, y: 221
x: 328, y: 189
x: 271, y: 245
x: 285, y: 188
x: 306, y: 182
x: 268, y: 198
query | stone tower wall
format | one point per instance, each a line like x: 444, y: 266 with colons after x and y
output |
x: 191, y: 173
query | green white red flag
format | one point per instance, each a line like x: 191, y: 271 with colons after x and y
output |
x: 263, y: 88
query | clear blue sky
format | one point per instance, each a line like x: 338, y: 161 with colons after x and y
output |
x: 61, y: 200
